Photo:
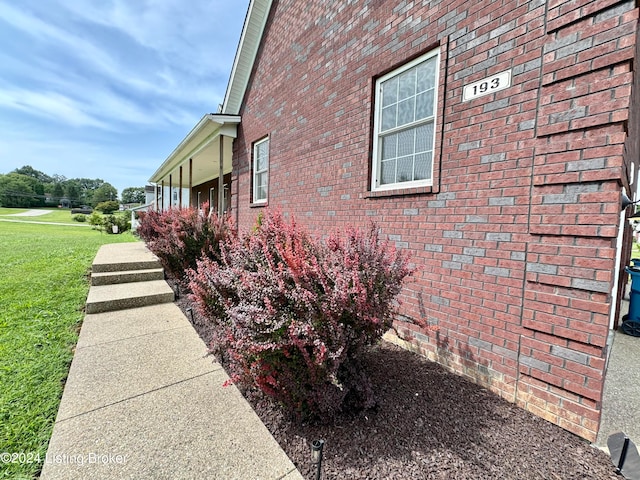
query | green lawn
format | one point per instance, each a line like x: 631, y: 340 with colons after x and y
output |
x: 43, y: 288
x: 58, y: 215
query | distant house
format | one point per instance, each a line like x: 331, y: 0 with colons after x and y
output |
x: 493, y: 140
x: 150, y: 192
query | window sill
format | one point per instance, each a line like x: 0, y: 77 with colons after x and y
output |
x: 259, y: 205
x: 397, y: 192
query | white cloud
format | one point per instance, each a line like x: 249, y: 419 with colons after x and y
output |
x: 109, y: 85
x: 49, y: 105
x: 186, y: 33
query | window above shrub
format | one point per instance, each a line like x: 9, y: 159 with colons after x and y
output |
x: 404, y: 125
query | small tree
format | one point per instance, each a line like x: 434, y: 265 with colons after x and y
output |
x: 108, y: 207
x: 95, y: 220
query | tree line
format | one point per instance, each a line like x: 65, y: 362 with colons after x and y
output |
x: 27, y: 187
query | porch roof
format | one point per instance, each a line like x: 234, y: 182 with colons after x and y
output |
x: 202, y: 147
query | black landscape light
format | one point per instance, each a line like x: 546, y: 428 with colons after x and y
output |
x: 316, y: 456
x: 624, y: 455
x: 190, y: 312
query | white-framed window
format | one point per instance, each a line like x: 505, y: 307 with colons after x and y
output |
x: 261, y: 171
x: 404, y: 125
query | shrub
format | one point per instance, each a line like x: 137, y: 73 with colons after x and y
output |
x: 108, y: 207
x: 292, y: 316
x: 179, y: 236
x: 95, y: 220
x: 120, y: 220
x: 79, y: 218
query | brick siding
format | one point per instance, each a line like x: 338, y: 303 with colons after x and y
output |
x: 514, y: 245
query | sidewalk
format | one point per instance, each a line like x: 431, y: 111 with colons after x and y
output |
x: 143, y: 400
x: 621, y: 397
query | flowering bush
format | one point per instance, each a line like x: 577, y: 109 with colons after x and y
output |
x: 292, y: 315
x: 179, y: 236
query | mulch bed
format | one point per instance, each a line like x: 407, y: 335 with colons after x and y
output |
x: 429, y: 424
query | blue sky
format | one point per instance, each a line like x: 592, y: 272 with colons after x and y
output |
x: 108, y: 88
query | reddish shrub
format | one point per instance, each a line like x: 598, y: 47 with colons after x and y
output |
x: 179, y: 236
x: 293, y: 315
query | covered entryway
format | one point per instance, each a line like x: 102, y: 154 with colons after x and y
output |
x: 199, y: 169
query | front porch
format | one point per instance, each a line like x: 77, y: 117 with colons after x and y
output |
x: 199, y: 169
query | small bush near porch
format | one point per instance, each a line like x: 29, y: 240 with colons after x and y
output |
x: 291, y: 315
x: 180, y: 236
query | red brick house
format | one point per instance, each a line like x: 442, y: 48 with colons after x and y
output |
x: 494, y: 140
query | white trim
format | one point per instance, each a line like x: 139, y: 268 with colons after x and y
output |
x: 616, y: 268
x: 216, y: 124
x: 250, y: 38
x: 255, y: 172
x: 377, y: 138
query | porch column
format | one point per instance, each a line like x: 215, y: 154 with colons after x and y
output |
x: 180, y: 189
x: 191, y: 182
x: 157, y: 197
x: 221, y: 178
x: 162, y: 205
x: 170, y: 190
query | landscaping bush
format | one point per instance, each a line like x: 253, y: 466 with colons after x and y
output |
x: 293, y: 315
x: 179, y: 236
x: 95, y: 220
x: 120, y: 220
x: 79, y: 218
x: 108, y: 207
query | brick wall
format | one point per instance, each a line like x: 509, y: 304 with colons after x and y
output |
x: 515, y: 244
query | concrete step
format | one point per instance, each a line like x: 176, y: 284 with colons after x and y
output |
x: 122, y: 257
x: 120, y: 296
x: 110, y: 278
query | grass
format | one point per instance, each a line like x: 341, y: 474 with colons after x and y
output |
x: 43, y: 288
x: 58, y: 215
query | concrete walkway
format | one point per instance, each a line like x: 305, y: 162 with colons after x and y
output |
x: 143, y: 399
x: 621, y: 397
x: 29, y: 213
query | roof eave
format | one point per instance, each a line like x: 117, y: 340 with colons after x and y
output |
x: 220, y: 119
x: 250, y: 39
